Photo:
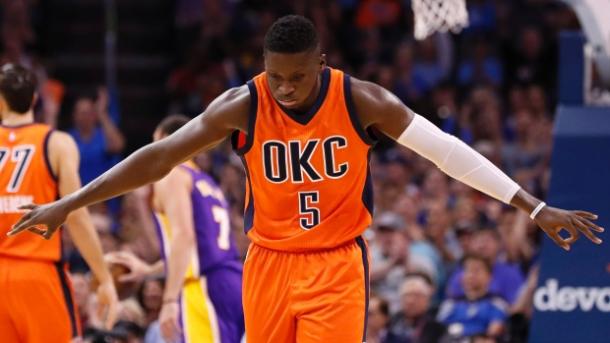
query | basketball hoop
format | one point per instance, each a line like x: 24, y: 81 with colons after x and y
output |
x: 438, y: 15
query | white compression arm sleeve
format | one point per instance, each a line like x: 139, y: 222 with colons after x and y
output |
x: 457, y: 159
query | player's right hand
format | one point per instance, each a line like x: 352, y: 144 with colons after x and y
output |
x: 168, y: 322
x: 138, y: 269
x: 108, y: 303
x: 49, y: 216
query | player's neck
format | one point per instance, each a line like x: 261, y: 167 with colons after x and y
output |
x: 311, y: 99
x: 16, y: 119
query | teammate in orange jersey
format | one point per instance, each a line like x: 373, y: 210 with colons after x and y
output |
x: 304, y: 133
x: 39, y: 165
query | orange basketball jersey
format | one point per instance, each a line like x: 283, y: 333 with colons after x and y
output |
x: 25, y: 177
x: 309, y: 185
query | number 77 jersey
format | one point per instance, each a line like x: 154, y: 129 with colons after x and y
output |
x: 25, y: 177
x: 308, y: 179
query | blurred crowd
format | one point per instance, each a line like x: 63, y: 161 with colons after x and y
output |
x: 448, y: 263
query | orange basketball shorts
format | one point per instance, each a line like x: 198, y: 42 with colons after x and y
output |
x: 37, y: 303
x: 306, y: 297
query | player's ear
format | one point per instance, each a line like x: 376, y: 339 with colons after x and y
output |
x: 322, y: 61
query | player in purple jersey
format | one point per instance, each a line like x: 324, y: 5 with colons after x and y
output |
x: 202, y: 297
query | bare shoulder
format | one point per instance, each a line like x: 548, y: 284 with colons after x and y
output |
x: 62, y: 150
x: 236, y: 96
x: 232, y: 107
x: 380, y: 108
x: 178, y: 176
x: 366, y: 91
x: 371, y: 100
x: 177, y: 182
x: 61, y: 138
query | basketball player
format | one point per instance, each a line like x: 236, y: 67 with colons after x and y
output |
x: 304, y: 132
x: 202, y: 298
x: 40, y: 165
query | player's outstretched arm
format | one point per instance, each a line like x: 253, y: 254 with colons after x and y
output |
x: 225, y: 114
x: 64, y: 158
x: 379, y: 108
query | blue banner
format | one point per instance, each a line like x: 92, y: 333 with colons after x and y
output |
x: 572, y: 299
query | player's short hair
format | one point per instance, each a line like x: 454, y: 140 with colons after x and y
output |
x: 291, y: 34
x: 476, y: 257
x: 17, y: 87
x: 172, y: 123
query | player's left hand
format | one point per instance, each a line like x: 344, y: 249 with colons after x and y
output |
x: 108, y: 303
x: 552, y: 220
x: 168, y: 322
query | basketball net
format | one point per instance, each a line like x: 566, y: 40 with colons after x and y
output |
x: 438, y: 15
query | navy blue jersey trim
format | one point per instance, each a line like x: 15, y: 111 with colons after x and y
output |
x: 365, y: 263
x: 304, y: 119
x: 251, y: 122
x: 45, y: 149
x: 367, y: 191
x: 353, y: 114
x: 65, y: 288
x: 249, y: 211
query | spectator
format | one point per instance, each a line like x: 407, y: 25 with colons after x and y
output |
x: 98, y: 138
x: 395, y: 255
x: 480, y: 68
x: 129, y: 332
x: 415, y: 323
x: 408, y: 87
x: 445, y: 104
x: 82, y: 296
x: 153, y: 334
x: 149, y: 297
x: 522, y: 310
x: 517, y: 232
x: 378, y: 318
x: 435, y: 58
x: 525, y: 153
x: 477, y: 312
x: 422, y: 253
x: 481, y: 16
x: 108, y: 240
x: 137, y: 226
x: 530, y: 59
x: 390, y: 256
x: 506, y: 277
x: 439, y: 233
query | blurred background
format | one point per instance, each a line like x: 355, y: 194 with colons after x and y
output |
x: 109, y: 71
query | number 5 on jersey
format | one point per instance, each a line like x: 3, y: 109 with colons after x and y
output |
x: 308, y: 213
